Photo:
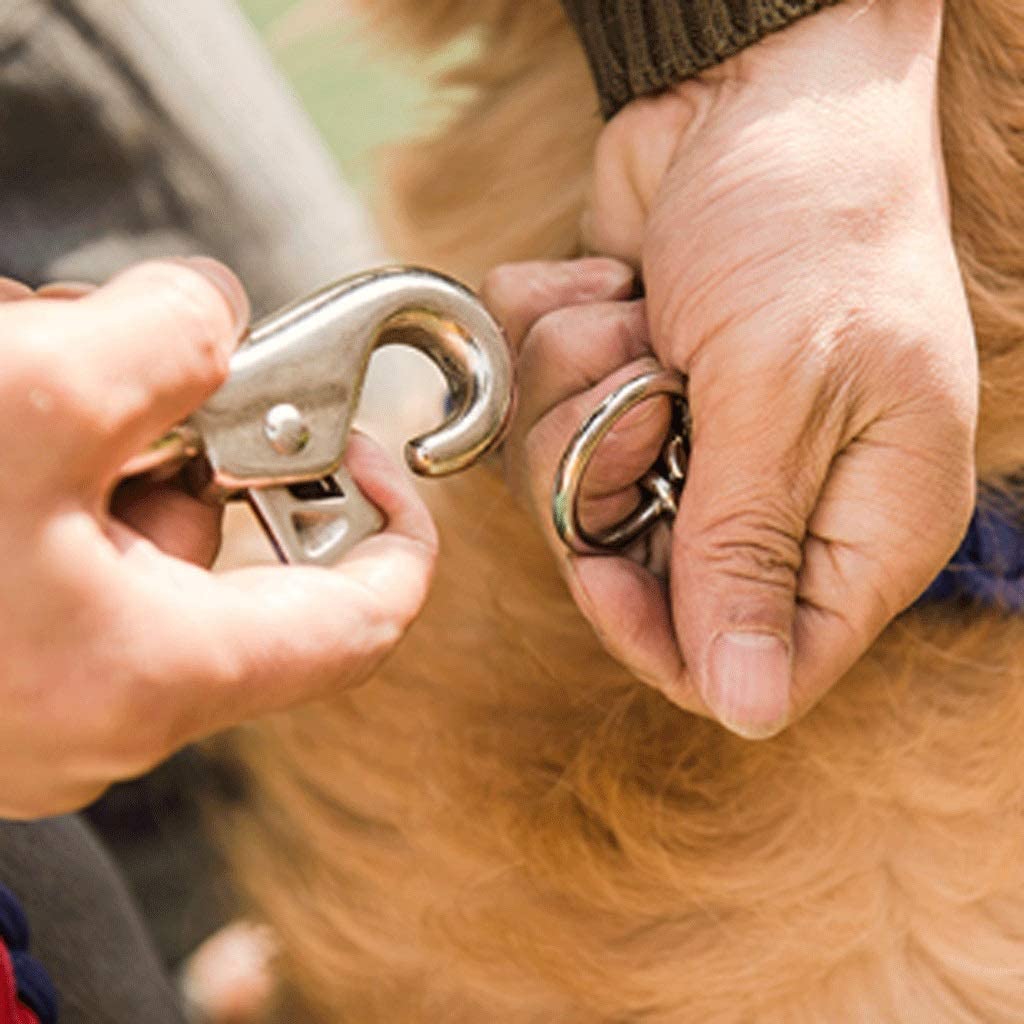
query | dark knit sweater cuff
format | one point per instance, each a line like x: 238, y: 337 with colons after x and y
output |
x: 638, y: 47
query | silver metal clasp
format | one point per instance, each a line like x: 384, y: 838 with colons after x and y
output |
x: 276, y: 432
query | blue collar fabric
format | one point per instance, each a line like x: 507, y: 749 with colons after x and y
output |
x: 35, y: 988
x: 988, y: 567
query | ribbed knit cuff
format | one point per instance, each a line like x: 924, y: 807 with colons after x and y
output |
x: 638, y: 47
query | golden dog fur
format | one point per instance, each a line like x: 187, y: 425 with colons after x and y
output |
x: 505, y: 827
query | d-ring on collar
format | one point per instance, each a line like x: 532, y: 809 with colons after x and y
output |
x: 663, y: 482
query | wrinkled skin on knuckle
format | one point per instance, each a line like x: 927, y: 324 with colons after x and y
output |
x: 623, y: 329
x: 757, y: 543
x: 615, y: 331
x: 553, y: 352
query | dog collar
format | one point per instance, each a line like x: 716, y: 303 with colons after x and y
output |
x: 988, y: 567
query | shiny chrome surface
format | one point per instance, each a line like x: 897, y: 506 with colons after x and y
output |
x: 662, y: 484
x: 317, y: 522
x: 283, y: 417
x: 313, y: 355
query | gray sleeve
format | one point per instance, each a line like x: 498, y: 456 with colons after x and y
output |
x: 85, y: 929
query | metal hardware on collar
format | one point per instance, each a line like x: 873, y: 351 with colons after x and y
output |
x: 276, y: 431
x: 663, y: 483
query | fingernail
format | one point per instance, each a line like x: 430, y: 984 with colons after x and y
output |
x: 227, y: 284
x: 748, y: 682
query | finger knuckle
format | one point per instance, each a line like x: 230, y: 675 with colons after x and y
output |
x: 33, y: 352
x: 549, y: 334
x: 554, y: 352
x: 754, y: 546
x: 500, y: 284
x: 42, y: 379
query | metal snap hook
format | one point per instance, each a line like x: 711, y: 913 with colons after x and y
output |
x: 276, y: 431
x: 662, y: 484
x: 452, y: 328
x: 313, y: 356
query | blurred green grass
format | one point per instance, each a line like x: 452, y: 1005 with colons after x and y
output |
x: 360, y: 96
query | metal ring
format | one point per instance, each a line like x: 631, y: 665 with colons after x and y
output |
x: 573, y: 467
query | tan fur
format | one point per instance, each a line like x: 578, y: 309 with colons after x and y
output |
x: 505, y: 828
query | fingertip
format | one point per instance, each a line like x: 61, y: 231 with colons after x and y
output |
x: 66, y: 290
x: 156, y: 341
x: 227, y: 283
x: 392, y: 490
x: 179, y: 289
x: 604, y: 278
x: 519, y: 294
x: 627, y: 607
x: 746, y: 682
x: 14, y: 291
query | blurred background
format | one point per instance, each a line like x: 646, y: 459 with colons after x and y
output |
x: 360, y: 96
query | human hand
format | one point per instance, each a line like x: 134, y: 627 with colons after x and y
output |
x: 116, y: 644
x: 798, y: 267
x: 577, y: 339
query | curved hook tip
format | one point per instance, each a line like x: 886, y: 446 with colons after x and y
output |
x: 420, y: 459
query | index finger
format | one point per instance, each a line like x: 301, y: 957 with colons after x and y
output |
x: 154, y: 343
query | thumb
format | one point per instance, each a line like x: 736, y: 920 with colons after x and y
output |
x: 758, y: 463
